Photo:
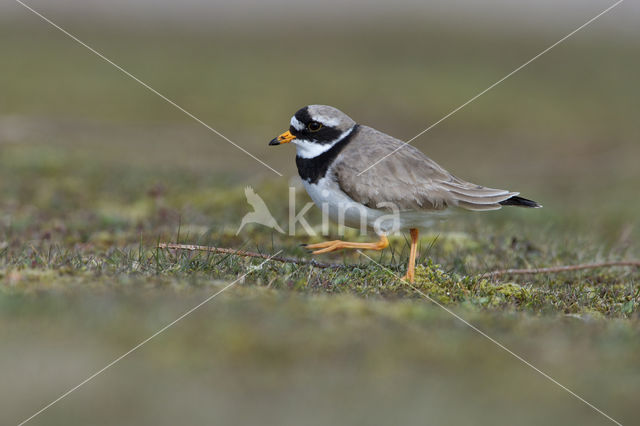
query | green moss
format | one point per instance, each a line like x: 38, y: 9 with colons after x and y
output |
x: 487, y: 294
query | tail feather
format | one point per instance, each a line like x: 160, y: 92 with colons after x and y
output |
x: 478, y: 207
x: 520, y: 202
x: 481, y: 198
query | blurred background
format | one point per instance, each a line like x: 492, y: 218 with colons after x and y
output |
x: 91, y: 162
x: 562, y: 130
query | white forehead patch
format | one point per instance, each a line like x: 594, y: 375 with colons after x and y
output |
x: 297, y: 124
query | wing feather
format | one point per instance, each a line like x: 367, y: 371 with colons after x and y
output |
x: 407, y: 178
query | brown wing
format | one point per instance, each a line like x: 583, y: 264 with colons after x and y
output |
x: 407, y: 178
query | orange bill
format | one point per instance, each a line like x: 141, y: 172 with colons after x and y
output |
x: 286, y: 137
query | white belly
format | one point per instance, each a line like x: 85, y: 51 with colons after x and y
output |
x: 343, y: 210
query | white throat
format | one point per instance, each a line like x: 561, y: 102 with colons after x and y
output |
x: 307, y: 149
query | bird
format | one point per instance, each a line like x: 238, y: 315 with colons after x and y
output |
x: 260, y: 214
x: 362, y: 177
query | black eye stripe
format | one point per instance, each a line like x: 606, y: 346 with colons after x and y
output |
x: 324, y: 135
x: 295, y: 132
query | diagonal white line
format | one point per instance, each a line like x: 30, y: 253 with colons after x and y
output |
x: 145, y: 85
x: 491, y: 339
x: 494, y: 84
x: 142, y: 343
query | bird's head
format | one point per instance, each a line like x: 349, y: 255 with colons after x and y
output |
x: 315, y: 128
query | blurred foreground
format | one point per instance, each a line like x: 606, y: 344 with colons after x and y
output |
x: 95, y: 170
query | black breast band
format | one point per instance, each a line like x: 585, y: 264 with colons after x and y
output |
x: 314, y: 169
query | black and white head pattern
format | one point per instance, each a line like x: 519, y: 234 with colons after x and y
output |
x: 318, y: 128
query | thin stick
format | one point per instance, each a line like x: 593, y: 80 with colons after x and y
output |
x: 234, y: 252
x: 556, y: 269
x: 296, y: 261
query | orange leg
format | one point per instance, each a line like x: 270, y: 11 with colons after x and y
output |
x: 411, y: 268
x: 334, y: 245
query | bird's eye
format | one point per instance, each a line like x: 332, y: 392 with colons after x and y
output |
x: 314, y: 126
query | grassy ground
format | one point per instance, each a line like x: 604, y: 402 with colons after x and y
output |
x: 94, y: 172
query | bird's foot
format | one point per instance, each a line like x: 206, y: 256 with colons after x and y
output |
x: 329, y: 246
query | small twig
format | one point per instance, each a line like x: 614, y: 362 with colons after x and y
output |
x: 296, y: 261
x: 234, y: 252
x: 556, y: 269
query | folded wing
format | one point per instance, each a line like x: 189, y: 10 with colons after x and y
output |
x: 407, y: 178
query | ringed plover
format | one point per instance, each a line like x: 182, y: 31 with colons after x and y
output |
x: 332, y: 150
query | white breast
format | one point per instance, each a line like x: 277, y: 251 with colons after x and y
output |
x: 343, y: 210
